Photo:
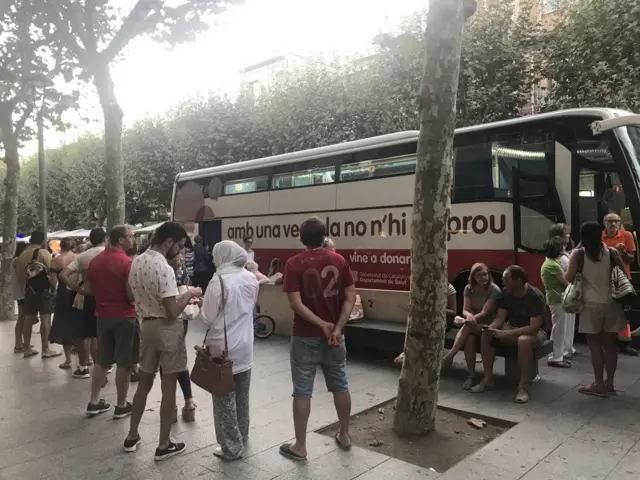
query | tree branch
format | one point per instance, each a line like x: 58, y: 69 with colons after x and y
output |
x: 58, y: 19
x: 140, y: 18
x: 91, y: 41
x: 23, y: 120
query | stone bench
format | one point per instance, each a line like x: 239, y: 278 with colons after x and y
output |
x: 389, y: 337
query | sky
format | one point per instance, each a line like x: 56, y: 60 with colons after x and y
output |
x: 151, y: 77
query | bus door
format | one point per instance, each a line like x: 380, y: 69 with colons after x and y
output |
x: 597, y: 190
x: 211, y: 233
x: 536, y: 206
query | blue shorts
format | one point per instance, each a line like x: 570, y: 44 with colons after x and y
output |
x: 309, y: 353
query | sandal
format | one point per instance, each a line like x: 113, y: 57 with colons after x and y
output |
x: 468, y: 383
x: 522, y: 396
x: 51, y: 354
x: 559, y: 363
x: 30, y: 353
x: 482, y: 387
x: 611, y: 390
x: 285, y: 451
x: 341, y: 444
x: 65, y: 365
x: 592, y: 390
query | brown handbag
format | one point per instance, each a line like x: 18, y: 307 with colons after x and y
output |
x: 214, y: 374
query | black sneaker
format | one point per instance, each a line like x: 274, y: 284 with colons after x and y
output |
x: 98, y: 408
x: 81, y: 372
x: 132, y: 445
x: 122, y: 412
x: 174, y: 448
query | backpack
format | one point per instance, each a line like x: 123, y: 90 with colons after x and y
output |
x: 622, y: 291
x: 37, y: 275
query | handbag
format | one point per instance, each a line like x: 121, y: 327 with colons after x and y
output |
x: 622, y: 291
x: 214, y: 374
x: 572, y: 297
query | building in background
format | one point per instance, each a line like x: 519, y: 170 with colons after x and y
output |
x: 260, y: 77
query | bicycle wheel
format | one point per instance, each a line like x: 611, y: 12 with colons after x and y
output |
x: 263, y: 326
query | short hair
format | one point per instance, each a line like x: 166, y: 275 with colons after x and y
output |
x: 97, y: 236
x: 37, y: 237
x: 118, y: 232
x: 312, y: 232
x: 168, y: 230
x: 67, y: 244
x: 553, y: 247
x: 197, y: 239
x: 518, y: 273
x: 558, y: 230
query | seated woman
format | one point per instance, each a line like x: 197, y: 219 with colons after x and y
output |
x: 480, y: 298
x: 450, y: 313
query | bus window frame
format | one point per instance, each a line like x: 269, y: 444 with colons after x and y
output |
x: 295, y: 167
x: 408, y: 148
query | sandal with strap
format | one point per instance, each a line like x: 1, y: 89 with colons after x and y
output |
x: 522, y: 396
x: 559, y: 363
x: 593, y: 390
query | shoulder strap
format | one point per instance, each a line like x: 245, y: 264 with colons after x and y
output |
x: 35, y: 254
x: 224, y: 317
x: 581, y: 254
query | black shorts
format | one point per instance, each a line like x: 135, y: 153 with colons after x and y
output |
x: 86, y: 324
x: 118, y: 342
x: 42, y: 304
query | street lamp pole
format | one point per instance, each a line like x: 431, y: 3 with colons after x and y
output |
x: 41, y: 172
x: 38, y: 81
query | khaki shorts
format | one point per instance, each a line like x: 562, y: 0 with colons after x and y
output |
x: 602, y: 318
x: 162, y: 346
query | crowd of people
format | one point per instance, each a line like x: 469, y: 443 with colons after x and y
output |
x: 118, y: 306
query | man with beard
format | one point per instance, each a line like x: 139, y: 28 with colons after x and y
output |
x: 158, y: 305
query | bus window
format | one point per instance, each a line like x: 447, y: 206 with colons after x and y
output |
x: 384, y: 167
x: 472, y: 173
x: 303, y: 178
x: 246, y: 185
x: 527, y: 157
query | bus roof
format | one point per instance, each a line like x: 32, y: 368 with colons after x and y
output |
x: 385, y: 141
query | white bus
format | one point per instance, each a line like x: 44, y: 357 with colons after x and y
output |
x: 512, y: 180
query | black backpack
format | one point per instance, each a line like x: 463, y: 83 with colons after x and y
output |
x: 37, y: 275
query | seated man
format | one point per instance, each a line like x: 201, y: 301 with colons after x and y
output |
x: 518, y: 322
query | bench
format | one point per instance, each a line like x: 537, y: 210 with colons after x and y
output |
x: 389, y: 337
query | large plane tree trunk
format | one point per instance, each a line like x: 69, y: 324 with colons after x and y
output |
x: 9, y: 211
x: 424, y: 343
x: 113, y: 164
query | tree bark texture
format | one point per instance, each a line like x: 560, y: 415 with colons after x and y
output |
x: 424, y: 343
x: 9, y: 210
x: 113, y: 164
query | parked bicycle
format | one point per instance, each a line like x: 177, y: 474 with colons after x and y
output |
x: 263, y: 326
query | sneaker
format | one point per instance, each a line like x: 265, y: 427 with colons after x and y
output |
x: 174, y: 448
x: 81, y: 372
x: 132, y: 445
x: 98, y: 408
x: 122, y: 412
x: 110, y: 369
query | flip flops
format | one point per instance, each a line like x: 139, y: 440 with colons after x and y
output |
x: 592, y: 390
x: 341, y: 444
x: 285, y: 451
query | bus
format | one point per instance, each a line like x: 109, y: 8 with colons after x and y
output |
x: 512, y: 180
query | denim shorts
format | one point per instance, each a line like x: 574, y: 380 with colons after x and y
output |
x: 309, y: 353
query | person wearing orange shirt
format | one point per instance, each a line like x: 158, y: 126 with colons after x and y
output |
x: 613, y: 236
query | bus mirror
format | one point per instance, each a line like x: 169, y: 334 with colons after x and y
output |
x: 600, y: 126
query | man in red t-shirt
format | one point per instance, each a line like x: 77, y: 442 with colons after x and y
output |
x: 108, y: 280
x: 322, y: 293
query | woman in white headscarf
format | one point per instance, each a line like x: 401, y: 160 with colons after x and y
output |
x: 231, y: 411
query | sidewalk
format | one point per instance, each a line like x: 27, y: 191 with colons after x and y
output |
x: 561, y: 434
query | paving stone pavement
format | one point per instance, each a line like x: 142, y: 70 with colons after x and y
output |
x: 560, y: 435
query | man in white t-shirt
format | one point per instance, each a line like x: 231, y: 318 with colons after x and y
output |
x: 158, y: 305
x: 86, y: 324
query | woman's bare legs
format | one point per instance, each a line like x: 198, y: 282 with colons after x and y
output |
x: 459, y: 343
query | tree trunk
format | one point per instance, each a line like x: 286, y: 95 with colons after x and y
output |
x: 10, y: 212
x: 113, y: 165
x: 424, y: 343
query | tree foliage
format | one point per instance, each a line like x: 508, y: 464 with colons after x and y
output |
x: 592, y: 56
